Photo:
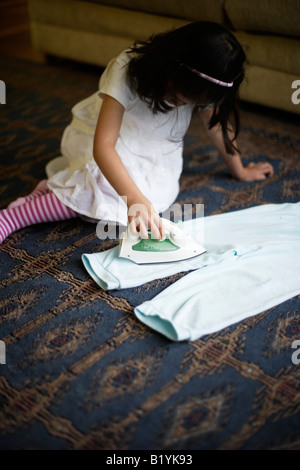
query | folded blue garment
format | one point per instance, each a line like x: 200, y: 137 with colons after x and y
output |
x: 224, y: 236
x: 252, y: 263
x: 208, y: 300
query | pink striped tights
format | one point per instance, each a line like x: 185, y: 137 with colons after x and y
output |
x: 39, y: 206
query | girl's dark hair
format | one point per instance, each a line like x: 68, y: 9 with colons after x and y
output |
x: 161, y: 67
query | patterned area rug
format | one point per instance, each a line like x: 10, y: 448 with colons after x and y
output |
x: 81, y: 372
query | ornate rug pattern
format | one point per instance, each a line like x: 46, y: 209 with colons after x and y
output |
x: 81, y: 372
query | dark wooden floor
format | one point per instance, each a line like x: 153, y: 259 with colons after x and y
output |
x: 15, y: 31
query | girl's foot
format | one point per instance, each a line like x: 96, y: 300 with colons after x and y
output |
x: 39, y: 190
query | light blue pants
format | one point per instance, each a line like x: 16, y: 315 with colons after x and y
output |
x: 252, y: 263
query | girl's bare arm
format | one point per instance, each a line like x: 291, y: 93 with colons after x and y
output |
x: 112, y: 167
x: 251, y: 172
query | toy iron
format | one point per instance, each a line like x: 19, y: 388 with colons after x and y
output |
x: 176, y: 246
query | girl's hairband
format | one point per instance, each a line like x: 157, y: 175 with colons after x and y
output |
x: 207, y: 77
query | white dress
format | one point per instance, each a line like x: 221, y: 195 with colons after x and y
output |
x: 150, y: 146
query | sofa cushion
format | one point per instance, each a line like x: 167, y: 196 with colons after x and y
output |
x: 77, y: 15
x: 191, y: 10
x: 273, y: 16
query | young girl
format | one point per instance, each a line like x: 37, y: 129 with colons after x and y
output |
x: 122, y: 153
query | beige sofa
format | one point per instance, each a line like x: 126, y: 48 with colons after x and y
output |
x: 94, y: 31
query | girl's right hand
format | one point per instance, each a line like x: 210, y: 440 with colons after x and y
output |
x: 143, y: 217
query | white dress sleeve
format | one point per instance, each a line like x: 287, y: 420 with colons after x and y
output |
x: 114, y: 83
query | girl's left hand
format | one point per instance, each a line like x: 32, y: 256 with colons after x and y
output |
x: 256, y: 172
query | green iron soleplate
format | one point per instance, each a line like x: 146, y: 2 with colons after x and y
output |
x: 155, y: 246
